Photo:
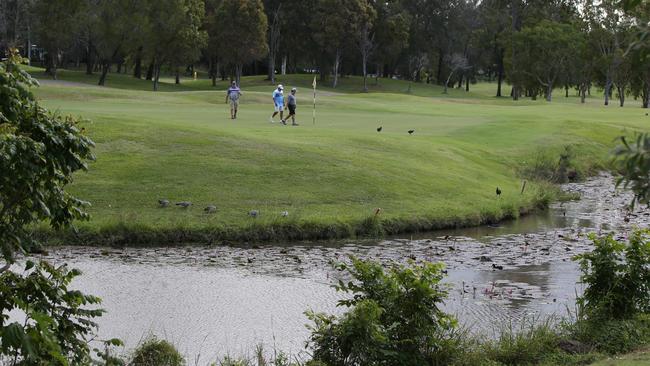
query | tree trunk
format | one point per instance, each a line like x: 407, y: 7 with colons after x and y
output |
x: 447, y: 82
x: 500, y: 77
x: 178, y: 77
x: 364, y: 62
x: 549, y: 91
x: 149, y: 76
x: 440, y: 62
x: 156, y: 76
x: 238, y: 72
x: 583, y: 93
x: 137, y: 69
x: 608, y: 89
x: 272, y: 67
x: 460, y: 81
x: 466, y: 84
x: 515, y: 22
x: 284, y: 65
x: 566, y: 90
x: 646, y: 95
x: 337, y: 61
x: 105, y: 67
x: 621, y: 96
x: 90, y: 62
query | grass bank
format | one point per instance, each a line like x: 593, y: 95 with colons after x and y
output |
x: 330, y: 176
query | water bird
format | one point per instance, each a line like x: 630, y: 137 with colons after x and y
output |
x: 411, y: 132
x: 253, y: 213
x: 498, y: 192
x: 163, y: 203
x: 284, y: 213
x: 210, y: 209
x: 184, y: 204
x: 496, y: 266
x: 379, y: 128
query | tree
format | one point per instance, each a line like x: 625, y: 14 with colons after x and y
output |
x: 274, y: 16
x: 391, y: 34
x: 456, y: 62
x: 173, y: 33
x: 115, y: 24
x: 365, y: 38
x: 241, y: 30
x: 55, y: 26
x: 546, y: 51
x: 40, y: 152
x: 335, y: 24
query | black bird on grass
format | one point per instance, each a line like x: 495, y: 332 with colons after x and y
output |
x: 498, y: 192
x: 210, y: 209
x: 253, y: 213
x: 184, y: 204
x: 379, y: 128
x: 411, y: 132
x: 163, y: 203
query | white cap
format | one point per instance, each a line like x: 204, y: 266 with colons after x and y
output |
x: 294, y: 89
x: 280, y: 86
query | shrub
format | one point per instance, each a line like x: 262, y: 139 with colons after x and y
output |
x: 614, y: 336
x: 546, y: 166
x: 617, y: 278
x: 394, y: 317
x: 155, y: 352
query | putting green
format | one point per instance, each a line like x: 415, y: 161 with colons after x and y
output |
x: 181, y: 145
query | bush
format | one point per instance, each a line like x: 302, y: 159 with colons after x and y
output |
x: 394, y: 319
x: 614, y: 336
x: 155, y: 352
x: 57, y: 325
x: 548, y: 167
x: 617, y: 278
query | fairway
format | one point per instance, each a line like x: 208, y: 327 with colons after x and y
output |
x: 180, y: 144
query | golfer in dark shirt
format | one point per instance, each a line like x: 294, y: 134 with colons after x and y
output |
x: 291, y: 104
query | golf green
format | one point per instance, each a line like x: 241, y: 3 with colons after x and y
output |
x: 181, y: 145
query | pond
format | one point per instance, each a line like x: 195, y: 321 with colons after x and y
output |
x: 217, y: 301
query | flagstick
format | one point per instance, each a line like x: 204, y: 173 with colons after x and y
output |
x: 314, y: 110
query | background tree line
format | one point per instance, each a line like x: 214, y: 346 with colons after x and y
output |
x: 535, y: 46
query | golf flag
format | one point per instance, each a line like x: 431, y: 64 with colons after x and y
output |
x: 313, y: 84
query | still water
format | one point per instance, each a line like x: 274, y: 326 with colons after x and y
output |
x: 217, y: 301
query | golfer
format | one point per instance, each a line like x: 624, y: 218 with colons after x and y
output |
x: 291, y: 104
x: 233, y: 95
x: 278, y: 104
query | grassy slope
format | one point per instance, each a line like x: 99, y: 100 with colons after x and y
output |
x: 640, y: 358
x: 330, y: 177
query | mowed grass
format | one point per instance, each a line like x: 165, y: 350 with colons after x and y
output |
x: 330, y: 176
x: 639, y: 358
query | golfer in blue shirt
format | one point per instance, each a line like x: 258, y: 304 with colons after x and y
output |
x: 278, y: 104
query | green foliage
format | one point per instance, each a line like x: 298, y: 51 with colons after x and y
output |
x: 239, y: 28
x: 58, y: 321
x: 42, y: 150
x: 614, y: 336
x: 155, y: 352
x: 633, y: 161
x: 174, y: 33
x: 617, y: 278
x: 394, y: 318
x: 529, y: 345
x: 547, y: 166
